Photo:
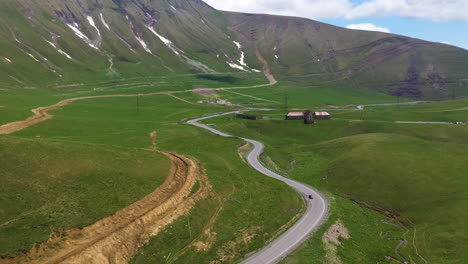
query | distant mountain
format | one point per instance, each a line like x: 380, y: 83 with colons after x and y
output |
x: 57, y: 42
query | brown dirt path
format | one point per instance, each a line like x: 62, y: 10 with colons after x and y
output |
x: 41, y: 114
x: 116, y: 239
x: 251, y: 96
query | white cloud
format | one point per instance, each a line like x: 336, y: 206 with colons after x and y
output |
x: 368, y: 27
x: 303, y: 8
x: 438, y: 10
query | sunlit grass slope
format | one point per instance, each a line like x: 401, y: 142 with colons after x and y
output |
x: 416, y: 172
x: 50, y: 184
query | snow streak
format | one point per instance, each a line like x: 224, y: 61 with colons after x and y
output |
x: 242, y: 65
x: 32, y: 56
x: 91, y: 22
x: 80, y: 34
x: 59, y: 50
x: 104, y: 21
x: 166, y: 42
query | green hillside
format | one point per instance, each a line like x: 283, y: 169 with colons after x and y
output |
x: 50, y: 184
x: 58, y: 43
x: 413, y: 172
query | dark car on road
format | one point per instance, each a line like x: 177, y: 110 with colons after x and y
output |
x: 310, y: 196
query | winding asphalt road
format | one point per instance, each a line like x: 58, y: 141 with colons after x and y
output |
x: 314, y: 216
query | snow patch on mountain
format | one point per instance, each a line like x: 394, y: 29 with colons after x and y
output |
x: 91, y: 22
x: 104, y: 21
x: 137, y: 35
x: 59, y: 50
x: 32, y: 56
x: 80, y: 34
x: 238, y: 45
x: 180, y: 52
x: 236, y: 66
x: 166, y: 42
x: 7, y: 60
x: 243, y: 66
x: 143, y: 44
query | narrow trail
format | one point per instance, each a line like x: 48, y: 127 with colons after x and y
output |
x: 401, y: 242
x: 117, y: 238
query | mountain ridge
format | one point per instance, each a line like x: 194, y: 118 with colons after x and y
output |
x: 62, y: 42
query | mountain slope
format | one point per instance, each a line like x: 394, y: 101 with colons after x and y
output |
x: 79, y: 41
x: 65, y: 42
x: 398, y: 65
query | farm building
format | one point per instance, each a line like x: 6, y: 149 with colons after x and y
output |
x: 295, y: 116
x: 250, y: 117
x: 321, y: 115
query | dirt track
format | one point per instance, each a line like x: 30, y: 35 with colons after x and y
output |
x: 116, y: 239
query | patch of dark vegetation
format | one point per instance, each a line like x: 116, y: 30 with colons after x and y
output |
x: 411, y: 87
x: 436, y: 80
x: 124, y: 59
x: 219, y: 78
x: 119, y: 3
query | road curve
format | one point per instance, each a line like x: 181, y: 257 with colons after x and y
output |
x: 361, y: 107
x: 315, y: 214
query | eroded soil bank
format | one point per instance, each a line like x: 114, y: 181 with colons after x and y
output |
x: 116, y: 239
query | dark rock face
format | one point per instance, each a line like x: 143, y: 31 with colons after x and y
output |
x: 411, y: 87
x: 436, y: 80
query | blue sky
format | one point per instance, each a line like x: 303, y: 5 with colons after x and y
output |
x: 452, y: 32
x: 443, y: 21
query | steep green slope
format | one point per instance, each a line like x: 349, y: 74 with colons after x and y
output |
x: 67, y: 42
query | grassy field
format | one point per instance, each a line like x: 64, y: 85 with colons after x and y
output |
x: 16, y: 104
x: 49, y: 184
x: 444, y: 111
x: 400, y: 168
x: 365, y: 245
x: 337, y: 156
x: 241, y: 213
x: 306, y: 94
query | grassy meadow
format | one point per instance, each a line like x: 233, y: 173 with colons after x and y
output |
x: 402, y: 169
x: 16, y: 104
x: 241, y: 212
x: 49, y: 184
x: 444, y: 111
x: 379, y: 164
